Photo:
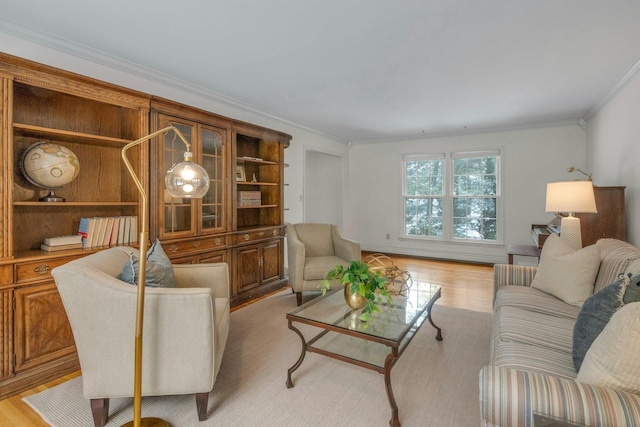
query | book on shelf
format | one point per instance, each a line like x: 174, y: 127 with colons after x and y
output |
x: 113, y: 240
x: 63, y: 240
x: 127, y: 230
x: 108, y: 231
x: 54, y: 248
x: 133, y: 233
x: 249, y: 198
x: 108, y: 228
x: 83, y: 229
x: 90, y: 232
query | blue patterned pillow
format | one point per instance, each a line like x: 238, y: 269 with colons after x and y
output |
x: 159, y: 271
x: 597, y: 311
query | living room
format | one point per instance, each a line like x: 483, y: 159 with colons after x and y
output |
x: 597, y: 134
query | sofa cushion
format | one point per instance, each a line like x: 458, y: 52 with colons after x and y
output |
x: 315, y: 268
x: 159, y: 271
x: 616, y: 257
x: 510, y: 397
x: 565, y: 273
x: 612, y: 360
x: 531, y: 327
x: 533, y: 299
x: 597, y: 311
x: 534, y: 358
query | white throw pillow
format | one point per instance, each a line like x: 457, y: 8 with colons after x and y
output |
x: 612, y: 360
x: 567, y: 274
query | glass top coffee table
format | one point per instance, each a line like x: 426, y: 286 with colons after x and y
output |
x: 388, y: 332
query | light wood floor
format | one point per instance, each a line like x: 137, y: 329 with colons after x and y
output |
x: 467, y: 286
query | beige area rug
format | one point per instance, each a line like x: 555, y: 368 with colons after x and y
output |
x: 435, y: 383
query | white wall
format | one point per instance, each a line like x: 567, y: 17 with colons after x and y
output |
x: 613, y: 150
x: 532, y: 157
x: 324, y: 188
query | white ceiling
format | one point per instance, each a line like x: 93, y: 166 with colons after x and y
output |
x: 365, y: 70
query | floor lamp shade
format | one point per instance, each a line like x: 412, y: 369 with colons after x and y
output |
x: 571, y: 197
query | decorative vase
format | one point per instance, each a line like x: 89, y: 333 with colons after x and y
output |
x: 354, y: 300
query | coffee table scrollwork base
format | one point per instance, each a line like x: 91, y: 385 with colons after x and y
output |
x: 341, y: 329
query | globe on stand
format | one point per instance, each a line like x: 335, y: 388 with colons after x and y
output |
x: 49, y: 166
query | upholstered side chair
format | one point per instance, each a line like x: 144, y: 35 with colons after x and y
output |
x: 312, y: 250
x: 185, y: 329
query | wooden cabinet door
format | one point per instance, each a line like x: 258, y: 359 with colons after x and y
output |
x: 6, y: 334
x: 176, y: 215
x: 247, y: 268
x: 270, y: 260
x: 213, y: 257
x: 42, y: 330
x: 212, y: 156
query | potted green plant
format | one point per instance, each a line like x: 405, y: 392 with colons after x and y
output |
x: 363, y: 288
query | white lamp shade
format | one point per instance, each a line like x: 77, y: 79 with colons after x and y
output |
x: 571, y: 196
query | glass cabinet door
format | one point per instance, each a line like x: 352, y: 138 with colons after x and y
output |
x: 177, y: 212
x: 212, y: 159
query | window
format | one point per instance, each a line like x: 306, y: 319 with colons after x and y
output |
x: 462, y: 204
x: 424, y: 191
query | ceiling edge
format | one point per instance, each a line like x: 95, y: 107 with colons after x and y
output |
x: 611, y: 93
x: 474, y: 131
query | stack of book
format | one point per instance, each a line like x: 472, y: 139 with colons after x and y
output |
x: 249, y: 198
x: 62, y: 243
x: 108, y: 231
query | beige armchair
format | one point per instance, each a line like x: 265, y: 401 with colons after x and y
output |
x: 185, y: 329
x: 314, y: 249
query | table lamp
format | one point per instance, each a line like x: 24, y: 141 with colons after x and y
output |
x: 571, y: 197
x: 185, y: 180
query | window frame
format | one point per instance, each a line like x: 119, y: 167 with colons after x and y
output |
x: 448, y: 196
x: 434, y: 156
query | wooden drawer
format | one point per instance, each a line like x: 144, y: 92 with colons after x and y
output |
x: 6, y: 274
x: 257, y: 235
x: 191, y: 246
x: 29, y: 272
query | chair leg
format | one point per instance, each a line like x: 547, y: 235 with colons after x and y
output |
x: 100, y: 411
x: 202, y: 399
x: 299, y: 298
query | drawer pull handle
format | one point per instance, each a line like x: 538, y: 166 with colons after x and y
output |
x: 247, y: 237
x: 173, y: 248
x: 217, y: 241
x: 261, y: 233
x: 275, y: 232
x: 196, y: 243
x: 42, y: 269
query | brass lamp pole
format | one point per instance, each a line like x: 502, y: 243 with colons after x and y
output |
x: 187, y: 180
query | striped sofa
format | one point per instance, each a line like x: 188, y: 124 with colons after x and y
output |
x: 531, y: 367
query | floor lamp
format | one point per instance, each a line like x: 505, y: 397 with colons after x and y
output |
x: 185, y: 180
x: 571, y: 197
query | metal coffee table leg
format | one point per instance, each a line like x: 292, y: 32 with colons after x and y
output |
x: 429, y: 306
x: 300, y: 359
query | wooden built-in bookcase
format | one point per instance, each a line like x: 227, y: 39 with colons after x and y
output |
x: 95, y: 120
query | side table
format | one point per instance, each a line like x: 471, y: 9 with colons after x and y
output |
x: 522, y: 250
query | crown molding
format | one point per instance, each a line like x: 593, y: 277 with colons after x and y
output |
x: 112, y: 62
x: 625, y: 79
x: 470, y: 131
